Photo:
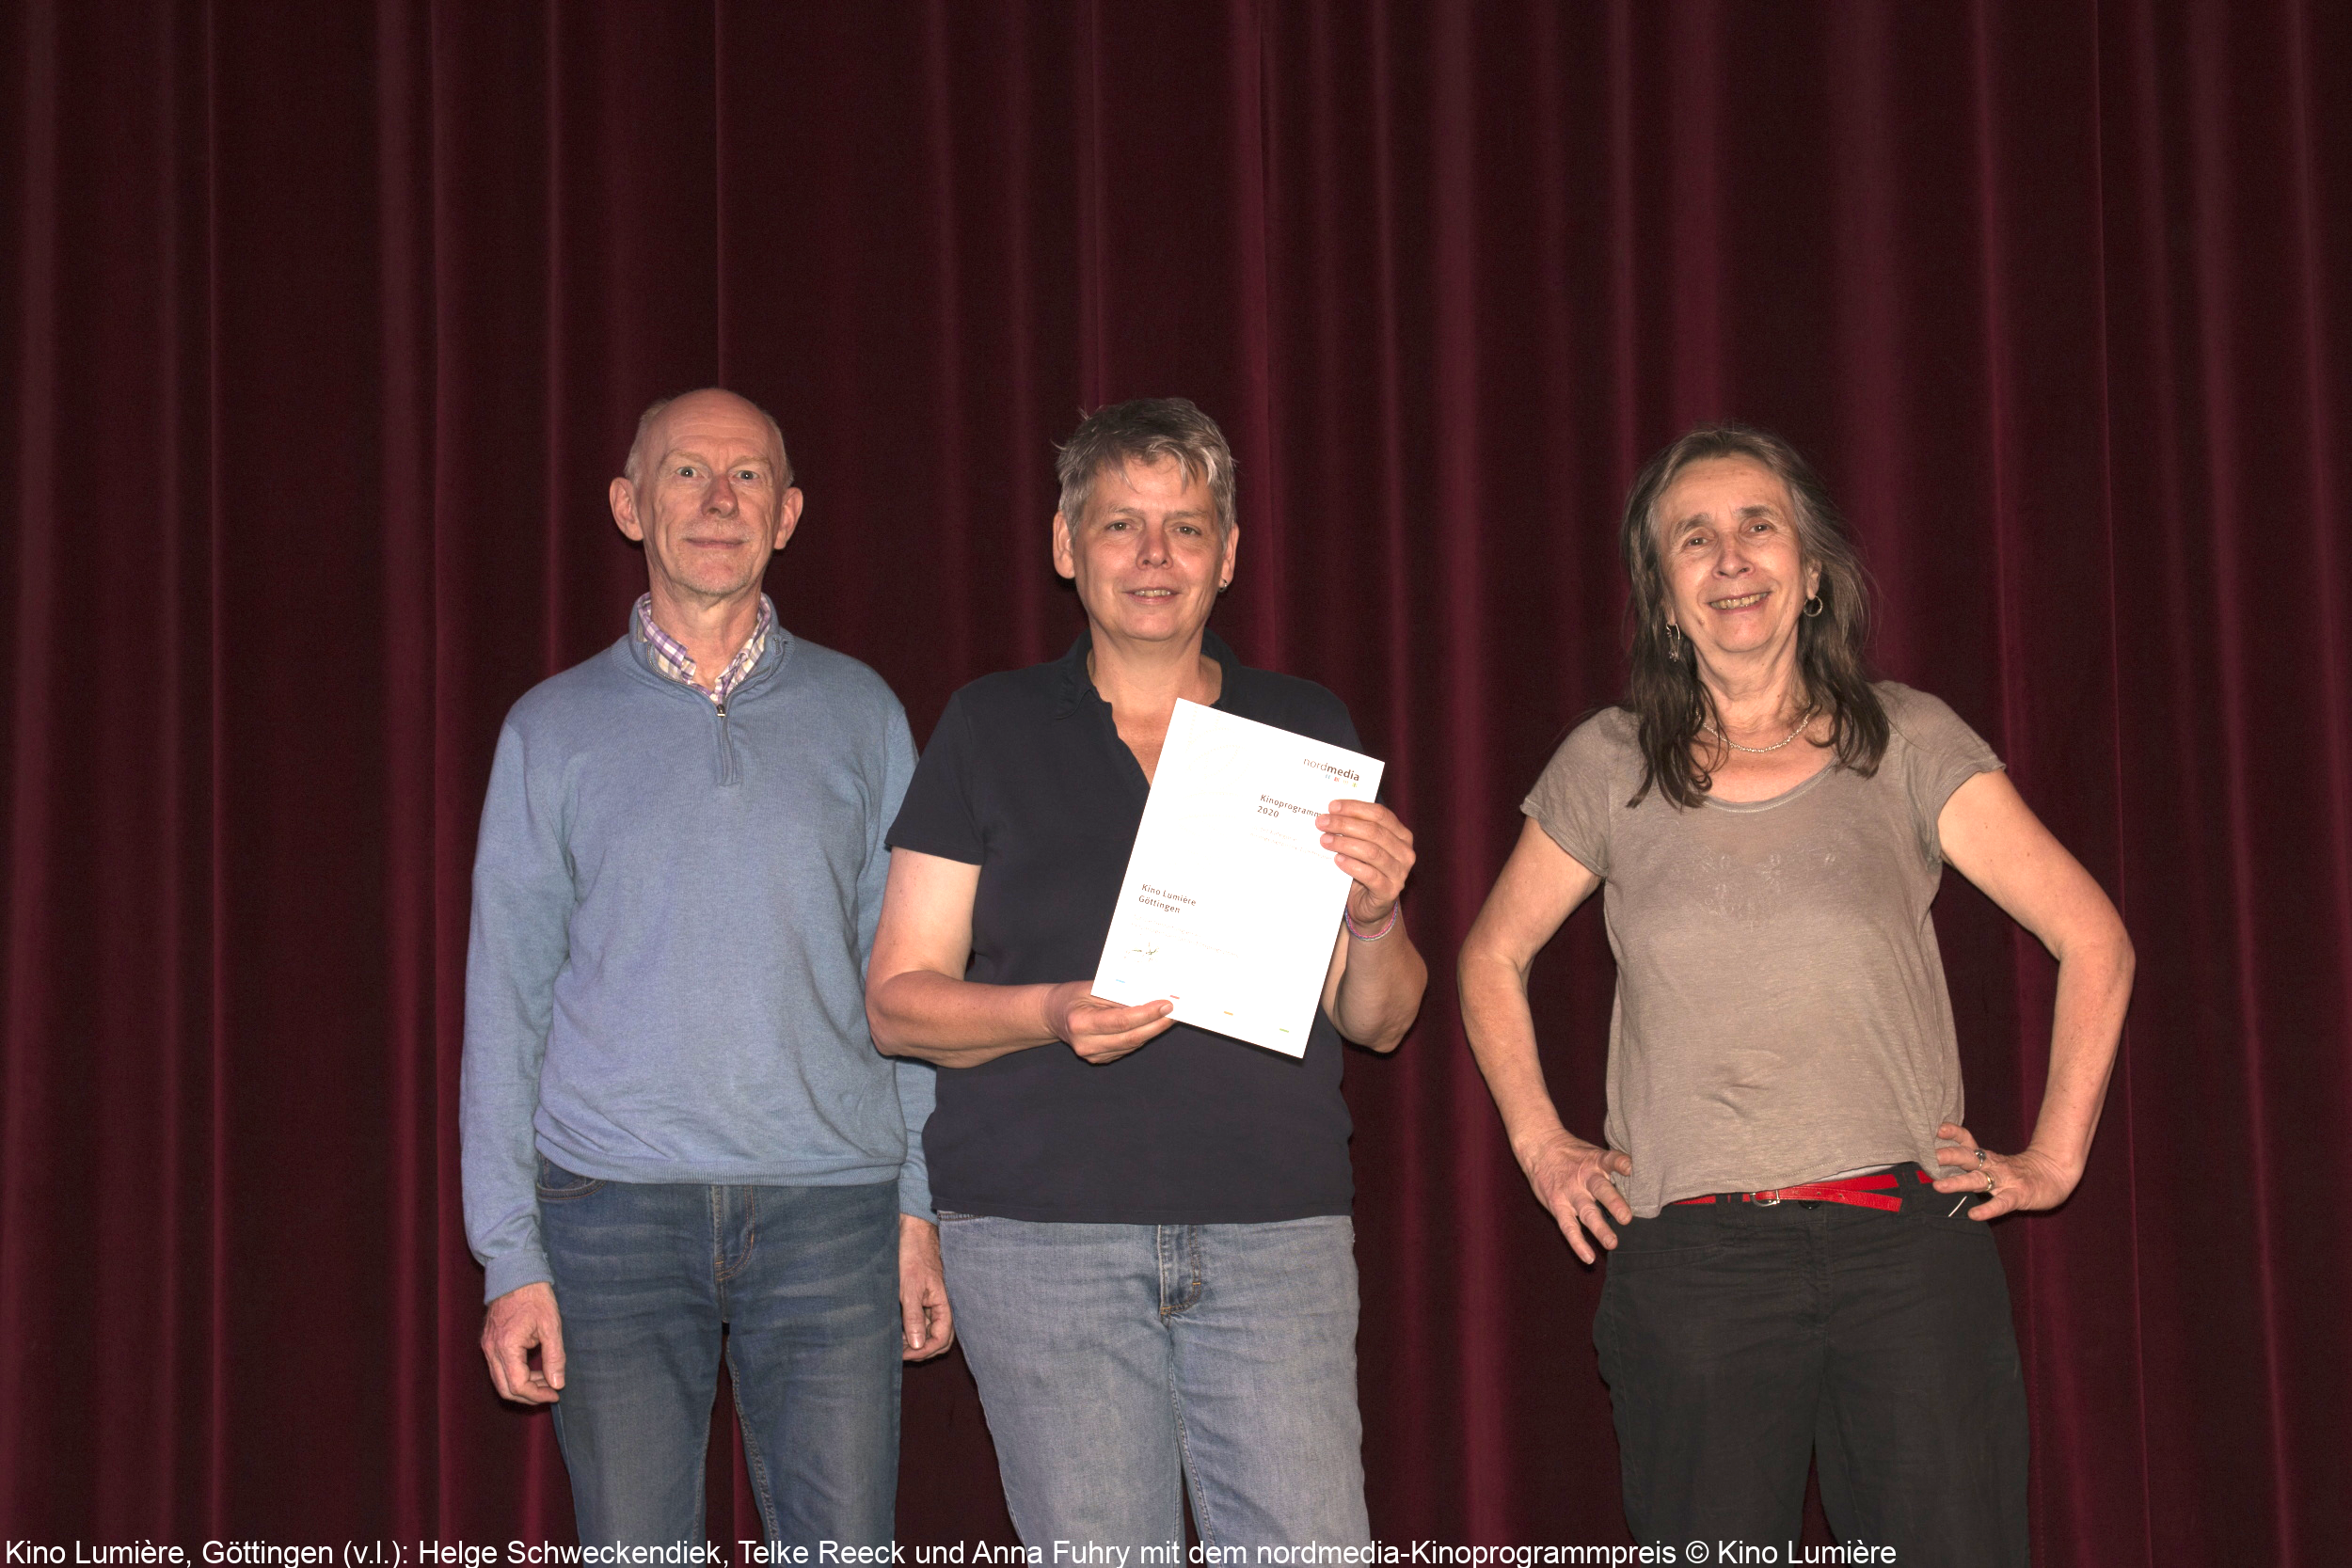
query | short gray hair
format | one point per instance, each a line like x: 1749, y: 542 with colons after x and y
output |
x: 653, y: 412
x: 1147, y: 431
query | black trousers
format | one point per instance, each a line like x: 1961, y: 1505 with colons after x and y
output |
x: 1740, y: 1340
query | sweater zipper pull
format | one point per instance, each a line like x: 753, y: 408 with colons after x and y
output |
x: 727, y: 748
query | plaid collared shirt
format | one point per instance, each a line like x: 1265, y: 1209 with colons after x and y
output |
x: 671, y: 657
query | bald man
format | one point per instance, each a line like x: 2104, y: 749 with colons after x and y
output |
x: 678, y: 1137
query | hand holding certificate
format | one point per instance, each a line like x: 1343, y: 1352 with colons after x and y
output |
x: 1232, y: 901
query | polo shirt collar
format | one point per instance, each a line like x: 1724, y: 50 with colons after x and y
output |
x: 1076, y: 685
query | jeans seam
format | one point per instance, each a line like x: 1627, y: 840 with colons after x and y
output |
x: 751, y: 1236
x: 1189, y: 1239
x: 1846, y: 1522
x: 1608, y: 1343
x: 755, y: 1461
x: 718, y: 1243
x: 1189, y: 1474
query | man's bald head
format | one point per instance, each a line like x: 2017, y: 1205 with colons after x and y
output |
x: 708, y: 492
x: 637, y: 449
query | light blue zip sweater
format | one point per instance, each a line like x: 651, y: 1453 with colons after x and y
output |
x: 673, y: 906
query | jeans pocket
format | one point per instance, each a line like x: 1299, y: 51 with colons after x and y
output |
x: 1670, y: 1241
x: 556, y: 1185
x: 1955, y: 1211
x: 1665, y: 1258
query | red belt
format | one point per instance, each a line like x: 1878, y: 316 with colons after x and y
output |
x: 1874, y: 1191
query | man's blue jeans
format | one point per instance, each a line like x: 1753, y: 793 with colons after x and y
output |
x: 805, y: 1282
x: 1118, y: 1362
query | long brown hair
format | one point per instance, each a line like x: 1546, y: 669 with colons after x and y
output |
x: 1664, y: 694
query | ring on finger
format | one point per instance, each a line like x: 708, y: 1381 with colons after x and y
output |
x: 1981, y: 1158
x: 1990, y: 1187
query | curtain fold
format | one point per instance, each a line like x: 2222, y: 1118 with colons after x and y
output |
x: 323, y: 328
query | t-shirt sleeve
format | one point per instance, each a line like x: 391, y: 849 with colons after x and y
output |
x: 1572, y: 799
x: 1940, y: 753
x: 938, y: 816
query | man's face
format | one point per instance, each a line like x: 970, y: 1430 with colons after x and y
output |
x: 710, y: 501
x: 1146, y: 557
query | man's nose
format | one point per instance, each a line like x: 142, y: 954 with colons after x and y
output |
x: 719, y: 498
x: 1151, y: 545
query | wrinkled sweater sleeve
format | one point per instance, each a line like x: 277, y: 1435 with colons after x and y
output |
x: 522, y: 905
x: 918, y: 1081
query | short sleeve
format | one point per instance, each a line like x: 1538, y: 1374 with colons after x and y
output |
x: 937, y: 817
x: 1940, y: 753
x: 1574, y: 797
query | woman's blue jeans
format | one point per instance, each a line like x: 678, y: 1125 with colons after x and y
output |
x: 1119, y: 1362
x: 804, y: 1281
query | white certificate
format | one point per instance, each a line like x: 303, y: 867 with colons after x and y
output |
x: 1231, y: 903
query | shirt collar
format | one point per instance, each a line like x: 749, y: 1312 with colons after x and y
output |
x: 1077, y: 685
x: 668, y: 656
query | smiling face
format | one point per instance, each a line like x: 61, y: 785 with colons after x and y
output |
x: 708, y: 497
x: 1735, y: 570
x: 1148, y: 556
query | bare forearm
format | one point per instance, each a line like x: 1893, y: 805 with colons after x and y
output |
x: 1380, y: 991
x: 2095, y: 990
x: 1502, y: 1033
x: 956, y: 1023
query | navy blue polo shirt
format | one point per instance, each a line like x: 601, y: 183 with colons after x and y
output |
x: 1026, y: 777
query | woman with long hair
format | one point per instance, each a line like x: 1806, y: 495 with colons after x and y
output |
x: 1791, y: 1200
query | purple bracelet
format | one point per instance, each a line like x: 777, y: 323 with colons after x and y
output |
x: 1361, y: 935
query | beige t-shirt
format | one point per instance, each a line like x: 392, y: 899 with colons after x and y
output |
x: 1781, y: 1013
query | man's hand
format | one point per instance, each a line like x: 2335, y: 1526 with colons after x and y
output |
x: 929, y: 1322
x: 519, y: 1321
x: 1571, y: 1179
x: 1101, y: 1031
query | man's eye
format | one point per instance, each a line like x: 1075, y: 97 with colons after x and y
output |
x: 686, y: 471
x: 747, y: 476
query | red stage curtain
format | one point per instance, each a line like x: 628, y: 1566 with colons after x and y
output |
x: 325, y: 324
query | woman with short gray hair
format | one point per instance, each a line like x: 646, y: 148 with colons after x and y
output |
x: 1145, y: 1224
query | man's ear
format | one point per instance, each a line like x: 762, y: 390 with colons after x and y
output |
x: 623, y: 495
x: 1065, y: 548
x: 1232, y: 553
x: 788, y: 516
